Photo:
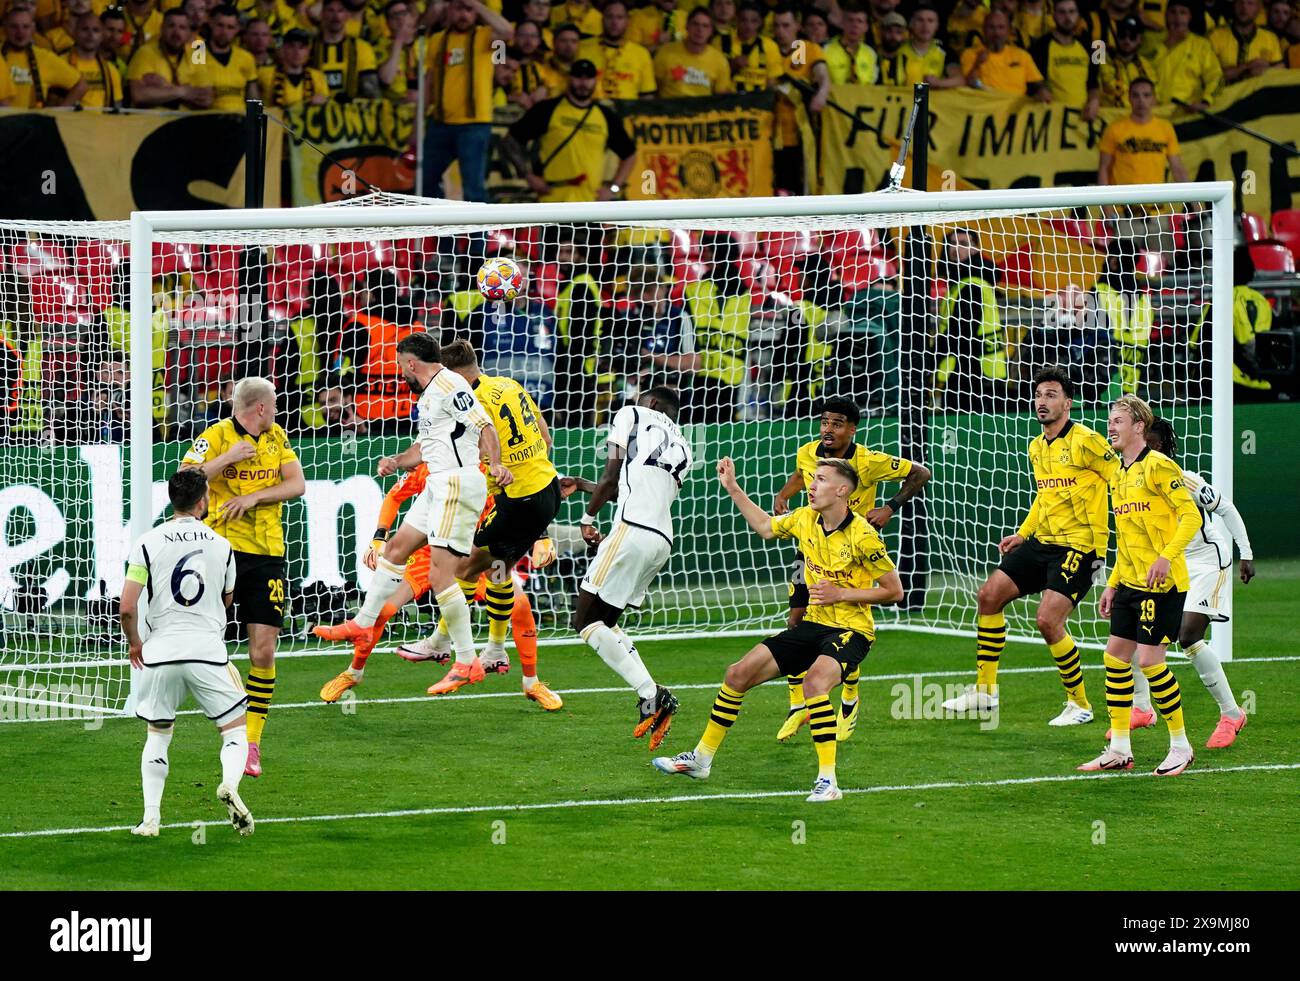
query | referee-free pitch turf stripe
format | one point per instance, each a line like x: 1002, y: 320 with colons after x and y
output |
x: 679, y: 799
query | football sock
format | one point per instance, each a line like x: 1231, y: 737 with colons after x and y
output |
x: 849, y: 693
x: 500, y: 605
x: 821, y: 720
x: 1210, y: 668
x: 359, y: 658
x: 991, y: 638
x: 1169, y: 700
x: 451, y: 601
x: 1119, y: 702
x: 628, y: 644
x: 1066, y: 656
x: 601, y: 639
x: 260, y: 687
x: 1141, y: 692
x: 524, y: 627
x: 234, y: 752
x: 153, y: 771
x: 466, y: 587
x: 383, y: 584
x: 723, y: 715
x: 795, y: 682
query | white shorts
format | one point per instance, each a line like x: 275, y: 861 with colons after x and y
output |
x: 216, y: 687
x: 625, y: 564
x: 1210, y: 592
x: 447, y: 510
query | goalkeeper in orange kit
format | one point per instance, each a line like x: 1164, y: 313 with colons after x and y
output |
x: 523, y: 625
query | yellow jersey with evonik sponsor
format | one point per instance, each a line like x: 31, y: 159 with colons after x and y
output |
x: 1071, y: 473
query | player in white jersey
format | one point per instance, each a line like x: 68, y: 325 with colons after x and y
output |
x: 1209, y: 596
x: 648, y: 459
x: 187, y: 571
x: 452, y: 432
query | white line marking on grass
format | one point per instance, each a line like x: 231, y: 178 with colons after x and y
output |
x: 83, y: 713
x: 678, y: 799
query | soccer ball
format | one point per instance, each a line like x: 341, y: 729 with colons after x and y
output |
x: 500, y: 279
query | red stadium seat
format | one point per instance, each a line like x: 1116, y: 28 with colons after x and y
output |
x: 1286, y: 229
x: 861, y: 269
x: 38, y: 257
x: 1272, y: 257
x: 1253, y: 228
x: 837, y: 244
x: 1151, y: 264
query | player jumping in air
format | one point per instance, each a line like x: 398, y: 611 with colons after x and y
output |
x: 1056, y: 551
x: 847, y: 571
x: 453, y: 433
x: 188, y: 571
x: 839, y: 427
x: 648, y: 459
x: 1155, y: 520
x: 251, y: 472
x: 1209, y: 595
x: 416, y: 584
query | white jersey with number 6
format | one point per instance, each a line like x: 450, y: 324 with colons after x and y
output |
x: 185, y: 567
x: 656, y: 458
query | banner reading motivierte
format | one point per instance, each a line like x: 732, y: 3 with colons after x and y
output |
x: 994, y: 140
x: 709, y: 147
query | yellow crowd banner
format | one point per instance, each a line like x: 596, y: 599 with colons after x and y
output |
x: 362, y: 142
x: 90, y: 165
x: 707, y: 147
x: 986, y: 139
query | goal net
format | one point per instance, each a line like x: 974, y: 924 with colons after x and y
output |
x: 930, y: 312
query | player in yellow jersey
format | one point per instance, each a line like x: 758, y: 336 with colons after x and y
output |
x: 837, y: 441
x: 251, y: 472
x: 1155, y: 520
x: 523, y: 510
x: 847, y: 570
x: 1057, y: 550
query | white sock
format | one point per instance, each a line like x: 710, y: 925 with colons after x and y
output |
x: 1120, y: 744
x: 234, y: 751
x: 1178, y: 739
x: 383, y: 584
x: 1210, y: 668
x: 1141, y: 690
x: 455, y: 611
x: 703, y: 756
x: 605, y: 642
x: 356, y: 673
x: 529, y: 681
x: 153, y: 772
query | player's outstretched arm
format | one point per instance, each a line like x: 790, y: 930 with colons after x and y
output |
x: 755, y: 516
x: 568, y: 485
x: 781, y: 503
x: 917, y: 477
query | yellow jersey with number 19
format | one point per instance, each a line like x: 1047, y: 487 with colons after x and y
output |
x: 851, y: 556
x: 1071, y: 472
x: 1155, y: 517
x: 260, y: 531
x: 515, y: 416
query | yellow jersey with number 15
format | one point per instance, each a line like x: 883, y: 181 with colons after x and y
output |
x: 515, y: 416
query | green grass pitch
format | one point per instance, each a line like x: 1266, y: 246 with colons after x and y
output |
x: 499, y: 794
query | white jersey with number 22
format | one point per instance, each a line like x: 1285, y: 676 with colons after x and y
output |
x: 656, y: 458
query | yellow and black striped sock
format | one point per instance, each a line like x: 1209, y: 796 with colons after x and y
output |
x: 991, y: 638
x: 821, y: 720
x: 260, y: 687
x: 1119, y: 696
x: 849, y: 693
x: 795, y: 682
x: 725, y: 709
x: 1066, y: 656
x: 500, y: 606
x: 469, y: 589
x: 1167, y: 696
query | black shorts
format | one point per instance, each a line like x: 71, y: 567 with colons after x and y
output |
x: 259, y: 589
x: 509, y: 530
x: 796, y: 649
x: 1147, y: 618
x: 798, y: 584
x: 1035, y: 566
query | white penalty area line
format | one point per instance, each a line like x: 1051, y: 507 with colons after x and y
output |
x: 351, y: 704
x: 678, y: 799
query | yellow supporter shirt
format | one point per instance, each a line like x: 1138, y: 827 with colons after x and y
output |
x: 103, y: 81
x: 260, y: 531
x: 523, y: 448
x: 1115, y: 76
x: 861, y: 67
x: 180, y: 70
x: 917, y: 66
x: 763, y: 64
x: 650, y: 27
x: 1140, y: 151
x: 964, y: 29
x: 343, y: 62
x: 1071, y: 473
x: 139, y: 32
x: 588, y: 21
x: 58, y: 40
x: 1010, y: 70
x: 279, y: 16
x: 1232, y: 52
x: 1069, y: 70
x: 533, y: 75
x: 797, y: 64
x: 571, y: 142
x: 1031, y: 25
x: 1189, y: 71
x: 34, y: 72
x: 626, y: 70
x: 230, y: 74
x: 6, y: 89
x: 1155, y: 517
x: 459, y: 64
x: 851, y: 556
x: 873, y: 468
x: 282, y: 91
x: 681, y: 73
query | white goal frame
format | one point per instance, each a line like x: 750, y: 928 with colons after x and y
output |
x: 151, y: 227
